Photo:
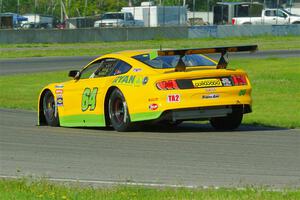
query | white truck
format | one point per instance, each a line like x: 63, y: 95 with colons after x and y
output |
x: 269, y: 16
x: 37, y: 21
x: 117, y: 19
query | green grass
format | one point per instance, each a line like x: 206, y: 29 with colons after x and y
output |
x: 21, y: 91
x: 26, y: 189
x: 276, y: 91
x: 97, y: 48
x: 275, y: 83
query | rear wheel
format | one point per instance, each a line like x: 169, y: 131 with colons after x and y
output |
x: 118, y: 111
x: 49, y: 109
x: 230, y: 122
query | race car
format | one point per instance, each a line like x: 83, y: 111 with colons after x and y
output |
x: 150, y: 86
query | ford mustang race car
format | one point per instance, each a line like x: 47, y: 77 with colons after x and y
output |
x: 158, y: 86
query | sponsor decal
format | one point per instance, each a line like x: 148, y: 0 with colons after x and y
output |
x: 59, y: 86
x: 153, y: 99
x: 130, y: 80
x: 153, y: 106
x: 137, y: 70
x: 242, y: 92
x: 145, y: 80
x: 226, y: 82
x: 59, y: 91
x: 173, y: 98
x: 207, y: 83
x: 59, y: 101
x: 210, y: 89
x: 211, y: 96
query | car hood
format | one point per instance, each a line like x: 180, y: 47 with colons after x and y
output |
x: 295, y: 17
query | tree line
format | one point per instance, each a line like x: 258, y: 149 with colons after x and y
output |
x: 78, y: 8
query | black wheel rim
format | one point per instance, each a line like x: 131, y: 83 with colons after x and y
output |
x: 118, y: 110
x: 49, y: 107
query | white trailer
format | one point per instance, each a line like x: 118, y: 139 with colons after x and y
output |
x: 207, y: 17
x: 154, y: 16
x: 38, y: 19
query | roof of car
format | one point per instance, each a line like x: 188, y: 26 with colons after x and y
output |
x: 131, y: 53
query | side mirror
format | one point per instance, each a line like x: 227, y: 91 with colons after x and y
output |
x: 74, y: 73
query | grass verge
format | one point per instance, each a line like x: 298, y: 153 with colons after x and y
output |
x: 275, y: 83
x: 25, y: 189
x: 97, y: 48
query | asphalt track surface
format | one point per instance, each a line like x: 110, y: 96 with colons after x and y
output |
x: 43, y: 64
x: 192, y: 155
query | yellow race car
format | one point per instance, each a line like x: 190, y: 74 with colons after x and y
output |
x: 157, y: 86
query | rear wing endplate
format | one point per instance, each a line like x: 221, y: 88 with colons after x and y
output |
x: 223, y: 61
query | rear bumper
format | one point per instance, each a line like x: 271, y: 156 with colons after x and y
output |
x: 203, y: 100
x: 201, y: 113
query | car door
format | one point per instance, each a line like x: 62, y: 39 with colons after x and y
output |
x: 84, y: 97
x: 129, y: 19
x: 282, y: 18
x: 270, y: 17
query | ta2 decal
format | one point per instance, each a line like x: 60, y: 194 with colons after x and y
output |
x: 173, y: 98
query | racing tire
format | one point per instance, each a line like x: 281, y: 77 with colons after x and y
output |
x: 118, y: 112
x: 49, y: 109
x: 230, y: 122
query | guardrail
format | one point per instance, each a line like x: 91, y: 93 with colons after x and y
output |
x: 141, y: 33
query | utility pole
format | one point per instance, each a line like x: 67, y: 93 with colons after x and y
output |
x: 35, y: 7
x: 207, y: 11
x: 193, y: 12
x: 85, y: 6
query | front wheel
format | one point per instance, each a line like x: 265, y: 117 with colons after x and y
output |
x: 230, y: 122
x: 49, y: 109
x: 118, y: 111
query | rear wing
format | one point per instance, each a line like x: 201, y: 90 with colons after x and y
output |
x: 223, y: 61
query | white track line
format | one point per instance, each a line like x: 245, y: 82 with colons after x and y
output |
x: 111, y: 182
x: 99, y: 182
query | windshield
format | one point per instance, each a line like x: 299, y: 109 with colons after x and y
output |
x: 113, y: 16
x: 164, y: 62
x: 287, y: 12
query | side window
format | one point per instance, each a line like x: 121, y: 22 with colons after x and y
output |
x: 129, y: 16
x: 120, y: 68
x: 273, y: 13
x: 270, y: 13
x: 280, y: 14
x: 106, y: 68
x: 88, y: 71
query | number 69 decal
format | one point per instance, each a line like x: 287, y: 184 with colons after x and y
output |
x: 89, y: 99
